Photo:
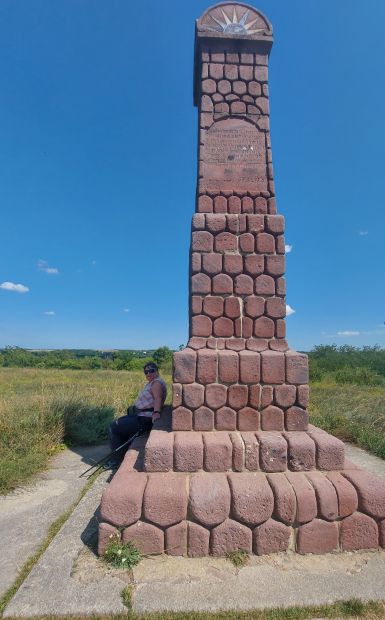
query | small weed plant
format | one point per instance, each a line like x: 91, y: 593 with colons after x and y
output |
x: 122, y: 555
x: 239, y: 558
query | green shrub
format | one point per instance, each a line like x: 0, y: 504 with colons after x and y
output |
x: 315, y: 372
x: 84, y: 424
x: 357, y: 376
x: 122, y: 555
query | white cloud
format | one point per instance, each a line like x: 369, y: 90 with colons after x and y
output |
x: 126, y: 309
x: 289, y: 310
x: 43, y: 266
x: 363, y: 233
x: 288, y: 248
x: 50, y: 313
x: 17, y: 288
x: 348, y: 333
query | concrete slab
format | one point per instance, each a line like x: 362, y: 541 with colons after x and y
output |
x: 70, y: 579
x: 27, y: 513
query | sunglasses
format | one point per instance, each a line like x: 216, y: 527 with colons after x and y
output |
x: 149, y: 372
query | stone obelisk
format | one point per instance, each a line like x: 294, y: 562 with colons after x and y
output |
x: 238, y: 466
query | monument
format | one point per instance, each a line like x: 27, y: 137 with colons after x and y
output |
x: 238, y: 466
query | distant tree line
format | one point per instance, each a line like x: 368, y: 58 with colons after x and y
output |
x: 83, y: 359
x: 348, y: 364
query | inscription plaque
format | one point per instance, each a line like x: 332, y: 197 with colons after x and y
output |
x: 233, y: 151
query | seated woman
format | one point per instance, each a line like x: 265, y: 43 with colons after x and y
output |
x: 146, y: 409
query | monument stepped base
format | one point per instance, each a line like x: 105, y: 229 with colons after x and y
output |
x: 213, y: 513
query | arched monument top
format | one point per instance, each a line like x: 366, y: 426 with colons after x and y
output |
x: 235, y: 20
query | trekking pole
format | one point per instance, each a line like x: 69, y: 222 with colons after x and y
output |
x: 99, y: 464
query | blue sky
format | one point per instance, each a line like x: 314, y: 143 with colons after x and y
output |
x: 98, y: 169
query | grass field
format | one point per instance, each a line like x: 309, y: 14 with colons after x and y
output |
x: 41, y: 408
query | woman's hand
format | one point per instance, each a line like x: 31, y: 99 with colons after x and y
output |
x: 155, y: 416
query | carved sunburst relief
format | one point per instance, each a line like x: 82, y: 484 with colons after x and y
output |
x: 234, y: 19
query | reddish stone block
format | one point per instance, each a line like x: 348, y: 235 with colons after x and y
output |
x: 381, y: 530
x: 330, y: 451
x: 301, y: 451
x: 275, y: 307
x: 254, y: 89
x: 254, y: 265
x: 209, y: 498
x: 176, y: 539
x: 280, y: 328
x: 246, y: 72
x: 231, y: 72
x: 213, y: 306
x: 264, y: 327
x: 305, y: 496
x: 272, y: 452
x: 159, y: 451
x: 239, y: 87
x: 218, y: 57
x: 326, y: 495
x: 205, y: 204
x: 256, y: 344
x: 272, y: 419
x: 246, y: 243
x: 165, y: 499
x: 201, y: 325
x: 107, y: 533
x: 223, y: 327
x: 264, y: 285
x: 247, y: 205
x: 238, y: 451
x: 303, y: 396
x: 217, y: 453
x: 196, y: 304
x: 212, y: 263
x: 255, y: 224
x: 216, y: 395
x: 196, y: 262
x: 248, y: 419
x: 122, y: 504
x: 271, y: 537
x: 234, y: 204
x: 278, y: 344
x: 181, y: 419
x: 285, y: 395
x: 280, y: 244
x: 254, y: 306
x: 188, y: 451
x: 208, y: 87
x: 237, y: 396
x: 266, y: 396
x: 216, y: 222
x: 203, y: 419
x: 176, y: 394
x: 370, y: 490
x: 273, y: 367
x: 235, y: 344
x: 255, y: 396
x: 243, y: 285
x: 200, y: 283
x: 207, y: 366
x: 296, y: 419
x: 198, y: 221
x: 224, y: 87
x: 216, y: 71
x: 251, y: 451
x: 285, y: 503
x: 206, y: 101
x: 346, y: 494
x: 317, y: 537
x: 230, y: 536
x: 222, y: 284
x: 252, y: 498
x: 202, y: 241
x: 263, y: 125
x: 232, y: 307
x: 260, y: 205
x: 198, y: 540
x: 184, y: 366
x: 358, y: 532
x: 197, y: 343
x: 232, y: 264
x: 280, y: 285
x: 245, y: 327
x: 263, y: 104
x: 275, y: 224
x: 261, y: 73
x: 238, y: 107
x: 193, y: 394
x: 296, y: 367
x: 220, y: 204
x: 226, y: 419
x: 249, y: 366
x: 147, y: 538
x: 226, y: 242
x: 228, y: 366
x: 265, y: 243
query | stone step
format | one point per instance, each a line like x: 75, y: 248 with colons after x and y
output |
x: 221, y: 451
x: 199, y: 514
